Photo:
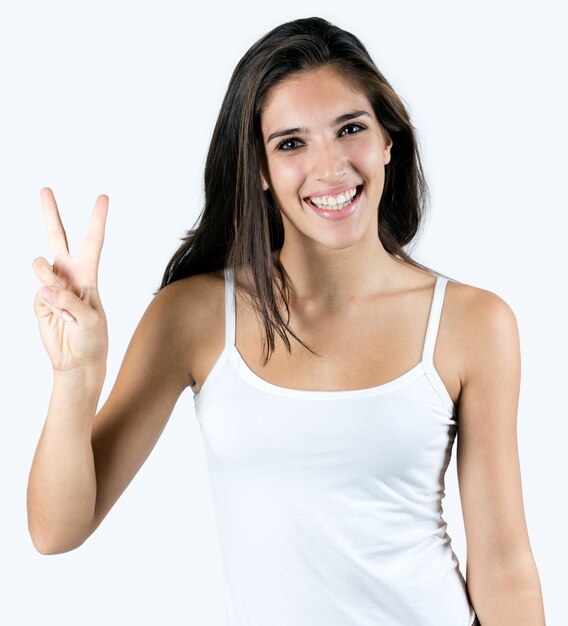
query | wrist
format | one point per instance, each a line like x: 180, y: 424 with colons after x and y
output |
x: 87, y: 376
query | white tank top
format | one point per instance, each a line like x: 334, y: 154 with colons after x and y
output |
x: 328, y: 503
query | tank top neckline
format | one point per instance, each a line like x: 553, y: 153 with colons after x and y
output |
x: 264, y: 384
x: 424, y: 367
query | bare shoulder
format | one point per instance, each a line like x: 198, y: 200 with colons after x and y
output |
x: 194, y: 310
x: 476, y: 299
x: 474, y: 323
x: 480, y: 322
x: 200, y: 292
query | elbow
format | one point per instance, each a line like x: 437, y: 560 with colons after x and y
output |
x: 49, y: 546
x: 48, y: 542
x: 45, y: 548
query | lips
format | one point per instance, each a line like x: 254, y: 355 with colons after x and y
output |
x: 358, y: 188
x: 336, y: 215
x: 332, y: 191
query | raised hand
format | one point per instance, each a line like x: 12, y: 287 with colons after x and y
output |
x: 72, y: 322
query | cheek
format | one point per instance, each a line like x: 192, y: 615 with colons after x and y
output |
x: 367, y: 156
x: 287, y: 175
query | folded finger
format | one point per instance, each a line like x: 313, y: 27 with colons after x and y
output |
x: 52, y: 299
x: 45, y: 272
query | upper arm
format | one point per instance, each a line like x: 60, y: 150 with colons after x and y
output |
x: 151, y: 378
x: 488, y: 465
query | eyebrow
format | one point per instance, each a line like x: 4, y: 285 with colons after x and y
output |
x: 338, y: 120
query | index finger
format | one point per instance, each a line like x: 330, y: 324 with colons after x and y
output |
x: 55, y: 231
x: 91, y: 248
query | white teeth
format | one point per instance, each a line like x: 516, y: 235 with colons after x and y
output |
x: 335, y: 202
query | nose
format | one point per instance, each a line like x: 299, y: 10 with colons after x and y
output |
x: 329, y: 161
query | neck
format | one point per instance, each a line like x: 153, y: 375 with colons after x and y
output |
x: 333, y: 279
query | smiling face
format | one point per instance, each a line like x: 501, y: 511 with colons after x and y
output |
x: 322, y: 138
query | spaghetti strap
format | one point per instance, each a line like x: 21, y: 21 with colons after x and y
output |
x: 434, y: 321
x: 230, y: 317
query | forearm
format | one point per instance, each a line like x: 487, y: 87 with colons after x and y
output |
x: 62, y: 484
x: 508, y: 596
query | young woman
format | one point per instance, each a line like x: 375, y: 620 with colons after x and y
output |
x: 326, y: 453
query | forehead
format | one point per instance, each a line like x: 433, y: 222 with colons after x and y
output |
x: 315, y: 96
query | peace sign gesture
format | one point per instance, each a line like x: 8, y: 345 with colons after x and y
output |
x: 72, y: 322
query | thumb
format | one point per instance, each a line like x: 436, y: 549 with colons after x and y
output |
x: 65, y: 303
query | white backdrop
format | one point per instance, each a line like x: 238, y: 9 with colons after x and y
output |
x: 121, y: 98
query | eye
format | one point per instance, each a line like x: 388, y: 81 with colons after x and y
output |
x: 286, y: 141
x: 360, y: 127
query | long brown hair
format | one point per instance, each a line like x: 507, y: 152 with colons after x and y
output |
x: 240, y: 225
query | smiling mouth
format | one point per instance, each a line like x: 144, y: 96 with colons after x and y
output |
x: 337, y: 207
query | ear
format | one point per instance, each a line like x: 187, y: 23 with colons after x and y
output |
x: 265, y: 186
x: 387, y: 150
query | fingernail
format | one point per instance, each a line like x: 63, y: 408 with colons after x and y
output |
x: 48, y: 293
x: 66, y: 316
